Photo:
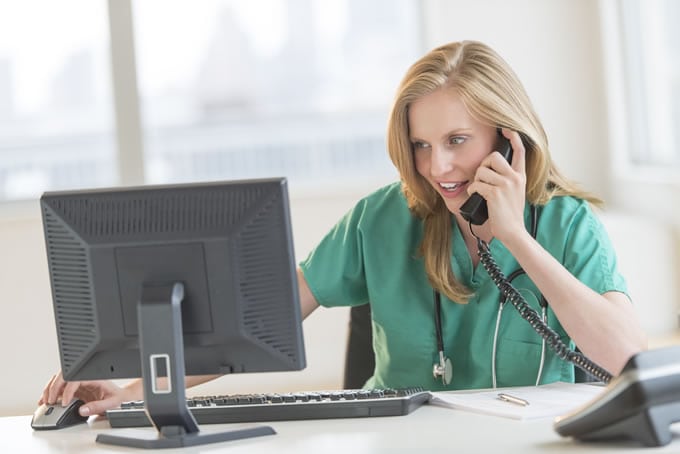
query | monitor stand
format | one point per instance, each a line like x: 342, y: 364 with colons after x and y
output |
x: 162, y: 354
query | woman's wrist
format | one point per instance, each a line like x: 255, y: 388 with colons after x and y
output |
x: 518, y: 242
x: 134, y: 390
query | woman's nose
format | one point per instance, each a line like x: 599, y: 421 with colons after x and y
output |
x: 441, y: 162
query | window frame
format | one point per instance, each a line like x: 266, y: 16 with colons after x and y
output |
x: 625, y: 143
x: 126, y: 102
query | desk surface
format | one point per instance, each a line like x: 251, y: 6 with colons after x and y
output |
x: 428, y: 429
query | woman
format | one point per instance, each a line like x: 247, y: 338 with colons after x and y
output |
x: 408, y: 240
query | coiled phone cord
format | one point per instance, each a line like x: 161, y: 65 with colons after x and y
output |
x: 531, y: 315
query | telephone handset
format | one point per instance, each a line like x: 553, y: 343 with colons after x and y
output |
x: 474, y: 209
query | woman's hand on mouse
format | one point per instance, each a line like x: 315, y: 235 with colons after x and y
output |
x: 99, y: 395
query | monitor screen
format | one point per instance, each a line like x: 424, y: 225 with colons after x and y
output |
x: 227, y: 245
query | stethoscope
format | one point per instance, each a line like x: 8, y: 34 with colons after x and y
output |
x: 444, y: 368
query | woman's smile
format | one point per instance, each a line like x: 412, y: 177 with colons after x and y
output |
x: 452, y: 190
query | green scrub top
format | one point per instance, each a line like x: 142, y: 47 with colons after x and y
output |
x: 370, y: 256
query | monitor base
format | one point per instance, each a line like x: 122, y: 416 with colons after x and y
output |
x: 181, y: 440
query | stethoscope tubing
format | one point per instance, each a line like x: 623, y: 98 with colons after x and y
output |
x: 443, y: 360
x: 442, y: 369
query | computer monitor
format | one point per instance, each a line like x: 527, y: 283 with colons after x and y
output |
x: 162, y: 281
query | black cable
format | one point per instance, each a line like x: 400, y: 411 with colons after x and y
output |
x: 509, y: 293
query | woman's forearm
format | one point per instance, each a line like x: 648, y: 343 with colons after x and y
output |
x: 604, y: 327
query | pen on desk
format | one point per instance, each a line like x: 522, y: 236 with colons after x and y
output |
x: 513, y: 399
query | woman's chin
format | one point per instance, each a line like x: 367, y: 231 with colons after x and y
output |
x: 454, y: 205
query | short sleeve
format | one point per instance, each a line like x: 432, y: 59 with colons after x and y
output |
x: 589, y: 254
x: 334, y: 270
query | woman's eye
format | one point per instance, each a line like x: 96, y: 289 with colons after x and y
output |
x: 456, y: 140
x: 417, y: 145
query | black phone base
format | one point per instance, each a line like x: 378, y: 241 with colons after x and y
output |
x: 640, y: 404
x: 650, y: 427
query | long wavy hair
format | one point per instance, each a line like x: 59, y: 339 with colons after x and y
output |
x: 493, y: 94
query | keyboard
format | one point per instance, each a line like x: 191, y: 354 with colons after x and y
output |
x: 281, y: 407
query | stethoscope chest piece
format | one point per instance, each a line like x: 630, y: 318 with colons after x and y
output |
x: 443, y: 370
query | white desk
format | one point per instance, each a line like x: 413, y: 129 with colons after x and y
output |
x: 429, y: 429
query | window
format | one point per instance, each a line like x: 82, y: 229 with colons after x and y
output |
x: 225, y: 91
x: 302, y: 91
x: 644, y: 39
x: 56, y: 127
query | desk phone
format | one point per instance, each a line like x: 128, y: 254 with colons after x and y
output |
x: 639, y: 404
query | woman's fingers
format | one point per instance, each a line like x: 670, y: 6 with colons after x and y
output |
x: 53, y: 389
x: 518, y: 151
x: 99, y: 407
x: 69, y: 392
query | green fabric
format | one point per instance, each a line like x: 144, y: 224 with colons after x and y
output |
x: 371, y: 256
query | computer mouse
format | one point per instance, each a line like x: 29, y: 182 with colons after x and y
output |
x: 56, y: 416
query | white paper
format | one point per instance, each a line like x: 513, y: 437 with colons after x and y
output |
x: 545, y: 401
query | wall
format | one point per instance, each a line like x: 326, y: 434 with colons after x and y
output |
x: 553, y: 47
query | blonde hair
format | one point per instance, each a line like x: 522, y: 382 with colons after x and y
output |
x: 493, y: 94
